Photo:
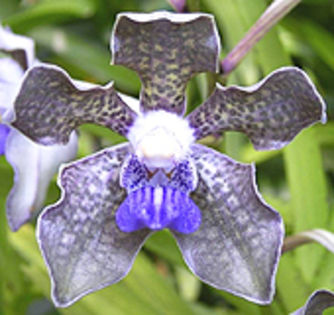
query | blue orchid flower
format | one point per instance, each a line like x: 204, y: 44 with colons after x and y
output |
x: 33, y: 164
x: 112, y: 201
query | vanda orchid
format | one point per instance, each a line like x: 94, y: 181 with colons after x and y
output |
x: 113, y: 200
x: 33, y: 164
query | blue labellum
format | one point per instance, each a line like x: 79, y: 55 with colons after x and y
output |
x: 4, y: 131
x: 157, y: 208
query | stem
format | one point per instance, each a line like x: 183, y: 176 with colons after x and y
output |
x: 277, y: 10
x: 292, y: 242
x: 323, y: 237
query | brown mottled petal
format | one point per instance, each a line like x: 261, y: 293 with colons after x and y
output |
x: 165, y: 49
x: 271, y: 112
x: 238, y: 243
x: 81, y: 243
x: 50, y: 106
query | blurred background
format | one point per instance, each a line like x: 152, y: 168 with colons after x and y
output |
x: 297, y: 181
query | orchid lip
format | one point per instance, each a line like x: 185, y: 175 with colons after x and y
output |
x: 157, y: 208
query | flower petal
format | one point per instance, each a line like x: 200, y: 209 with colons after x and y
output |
x: 238, y: 244
x: 10, y: 77
x: 4, y: 131
x: 34, y: 166
x: 21, y: 48
x: 317, y: 303
x: 158, y: 201
x: 50, y: 106
x: 135, y: 175
x: 271, y: 113
x: 80, y: 241
x: 166, y: 50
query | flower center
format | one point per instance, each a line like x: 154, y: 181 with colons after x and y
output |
x: 160, y: 139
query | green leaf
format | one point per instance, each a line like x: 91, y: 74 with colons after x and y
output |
x: 325, y: 276
x: 8, y: 7
x: 243, y: 306
x: 232, y: 28
x: 283, y: 207
x: 87, y: 56
x: 317, y: 2
x: 324, y: 134
x: 293, y: 290
x: 189, y: 285
x: 249, y: 154
x: 163, y: 244
x: 156, y: 290
x: 268, y: 51
x: 104, y: 133
x: 308, y: 196
x: 320, y: 39
x: 50, y: 11
x: 13, y: 285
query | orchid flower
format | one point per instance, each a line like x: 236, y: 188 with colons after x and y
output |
x: 112, y: 201
x: 33, y: 164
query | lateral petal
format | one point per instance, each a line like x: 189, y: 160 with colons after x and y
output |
x: 50, y: 105
x: 238, y: 243
x: 271, y: 113
x: 80, y: 241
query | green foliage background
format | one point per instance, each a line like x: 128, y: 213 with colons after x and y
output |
x: 297, y: 181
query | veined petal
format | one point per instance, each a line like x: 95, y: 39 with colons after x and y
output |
x: 135, y: 175
x: 21, y: 48
x: 271, y: 112
x: 34, y: 166
x: 238, y: 243
x: 157, y: 208
x: 166, y: 50
x: 317, y: 303
x: 80, y: 241
x: 184, y: 176
x: 50, y: 106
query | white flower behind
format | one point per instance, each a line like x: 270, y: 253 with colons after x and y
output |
x: 34, y: 164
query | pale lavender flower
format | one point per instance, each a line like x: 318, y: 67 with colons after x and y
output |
x: 113, y: 200
x: 33, y: 164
